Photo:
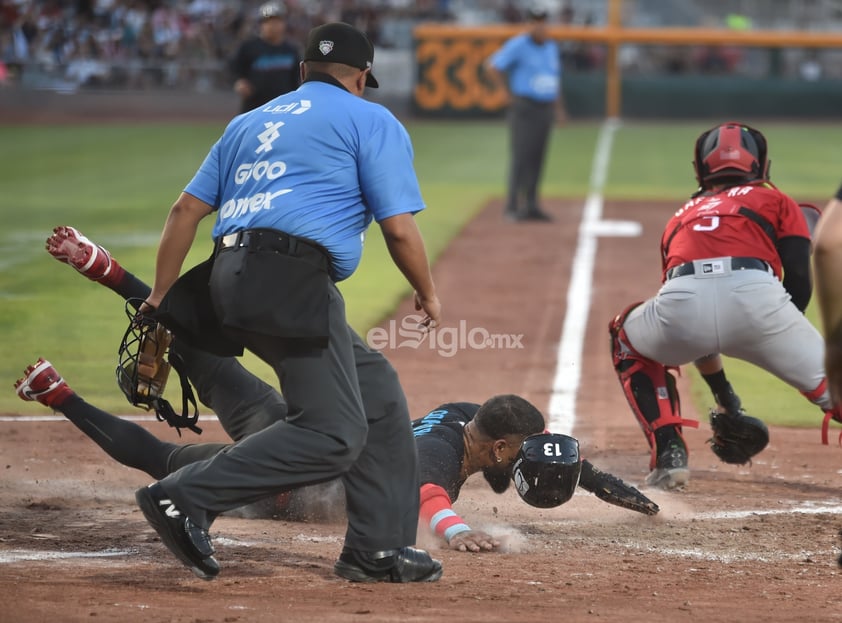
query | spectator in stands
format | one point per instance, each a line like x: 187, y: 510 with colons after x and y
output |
x: 266, y: 66
x: 85, y: 67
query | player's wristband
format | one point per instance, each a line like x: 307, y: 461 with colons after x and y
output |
x: 438, y: 514
x: 448, y: 524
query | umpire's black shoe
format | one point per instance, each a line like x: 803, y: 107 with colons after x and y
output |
x: 538, y: 215
x: 394, y: 565
x: 190, y: 543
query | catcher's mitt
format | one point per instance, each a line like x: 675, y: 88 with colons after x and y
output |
x: 611, y: 489
x: 143, y: 367
x: 737, y: 438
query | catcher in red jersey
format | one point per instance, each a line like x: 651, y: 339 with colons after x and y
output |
x: 736, y: 281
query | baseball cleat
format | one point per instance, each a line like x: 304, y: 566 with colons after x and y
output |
x: 69, y: 246
x: 538, y: 215
x: 41, y: 382
x: 671, y: 469
x: 187, y: 541
x: 407, y: 564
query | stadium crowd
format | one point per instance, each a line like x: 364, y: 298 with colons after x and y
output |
x: 153, y: 43
x: 68, y: 44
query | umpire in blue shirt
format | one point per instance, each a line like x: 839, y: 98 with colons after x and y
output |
x: 294, y: 185
x: 529, y: 65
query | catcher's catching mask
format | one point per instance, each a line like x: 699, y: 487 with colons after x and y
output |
x: 143, y: 366
x: 731, y: 151
x: 546, y: 470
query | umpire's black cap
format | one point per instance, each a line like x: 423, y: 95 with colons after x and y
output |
x: 338, y: 42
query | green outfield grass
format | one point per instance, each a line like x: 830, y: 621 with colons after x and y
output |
x: 117, y: 182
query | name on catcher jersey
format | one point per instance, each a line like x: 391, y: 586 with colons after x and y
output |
x: 731, y: 223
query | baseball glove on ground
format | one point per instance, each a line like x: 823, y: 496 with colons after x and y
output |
x: 737, y: 438
x: 611, y: 489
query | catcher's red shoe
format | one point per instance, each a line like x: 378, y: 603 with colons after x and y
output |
x: 41, y: 382
x: 68, y: 245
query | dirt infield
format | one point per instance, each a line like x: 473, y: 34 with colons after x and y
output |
x: 742, y: 544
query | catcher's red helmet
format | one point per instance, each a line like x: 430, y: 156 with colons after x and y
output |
x: 732, y: 151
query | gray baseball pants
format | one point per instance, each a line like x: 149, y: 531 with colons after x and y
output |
x: 348, y: 418
x: 530, y: 124
x: 745, y: 314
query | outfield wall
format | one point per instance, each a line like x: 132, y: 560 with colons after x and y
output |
x: 451, y: 80
x: 21, y: 105
x: 694, y: 97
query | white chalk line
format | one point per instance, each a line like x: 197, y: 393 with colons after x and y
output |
x: 562, y: 405
x: 22, y: 555
x: 31, y: 555
x: 708, y: 555
x: 61, y: 418
x: 26, y: 555
x: 799, y: 510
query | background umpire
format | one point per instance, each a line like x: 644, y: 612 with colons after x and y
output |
x: 295, y: 185
x: 531, y: 65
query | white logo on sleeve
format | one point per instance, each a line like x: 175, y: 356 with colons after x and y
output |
x: 268, y: 136
x: 303, y: 106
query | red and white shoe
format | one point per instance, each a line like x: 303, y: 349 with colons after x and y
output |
x: 41, y: 382
x: 68, y: 245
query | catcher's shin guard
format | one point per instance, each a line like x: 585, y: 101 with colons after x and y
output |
x: 648, y: 385
x: 821, y: 397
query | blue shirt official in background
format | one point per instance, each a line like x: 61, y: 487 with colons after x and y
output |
x: 529, y: 66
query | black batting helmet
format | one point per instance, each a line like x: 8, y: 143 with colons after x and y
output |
x: 546, y: 470
x: 730, y: 152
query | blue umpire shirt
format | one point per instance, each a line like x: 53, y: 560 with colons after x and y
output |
x: 533, y: 69
x: 319, y: 163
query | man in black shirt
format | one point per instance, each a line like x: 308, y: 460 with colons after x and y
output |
x: 266, y: 66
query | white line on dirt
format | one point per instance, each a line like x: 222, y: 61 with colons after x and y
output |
x: 799, y: 510
x: 562, y: 407
x: 61, y: 418
x: 19, y: 555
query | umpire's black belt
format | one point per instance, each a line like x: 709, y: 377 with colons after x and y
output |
x: 273, y: 240
x: 715, y: 266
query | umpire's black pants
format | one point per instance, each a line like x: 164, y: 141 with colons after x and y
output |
x: 530, y: 124
x: 328, y: 433
x: 242, y: 401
